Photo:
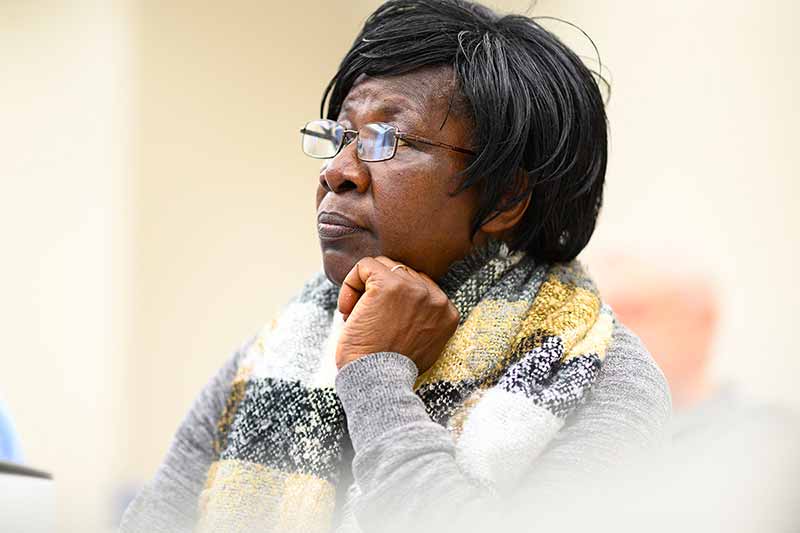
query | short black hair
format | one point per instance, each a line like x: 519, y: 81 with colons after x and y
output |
x: 532, y: 101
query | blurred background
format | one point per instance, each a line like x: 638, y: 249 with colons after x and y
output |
x: 157, y: 209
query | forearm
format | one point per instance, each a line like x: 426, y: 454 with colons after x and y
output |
x: 405, y: 465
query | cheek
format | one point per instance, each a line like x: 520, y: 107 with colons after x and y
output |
x: 401, y: 198
x: 415, y: 211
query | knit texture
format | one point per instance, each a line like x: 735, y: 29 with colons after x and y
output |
x: 530, y: 344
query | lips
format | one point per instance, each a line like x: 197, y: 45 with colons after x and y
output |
x: 332, y: 225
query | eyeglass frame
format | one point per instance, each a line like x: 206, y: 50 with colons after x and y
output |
x: 398, y: 136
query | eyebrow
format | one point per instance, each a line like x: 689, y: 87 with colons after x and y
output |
x: 392, y: 106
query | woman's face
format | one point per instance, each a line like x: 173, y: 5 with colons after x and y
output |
x: 401, y: 205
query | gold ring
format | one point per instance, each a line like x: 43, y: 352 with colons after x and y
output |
x: 398, y: 266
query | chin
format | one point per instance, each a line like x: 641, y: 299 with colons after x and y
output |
x: 337, y: 264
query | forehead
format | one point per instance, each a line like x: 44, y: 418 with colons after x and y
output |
x: 421, y: 94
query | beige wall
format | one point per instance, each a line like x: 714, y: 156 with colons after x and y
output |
x: 158, y: 208
x: 65, y: 211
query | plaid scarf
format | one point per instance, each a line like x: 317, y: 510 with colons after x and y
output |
x: 530, y: 343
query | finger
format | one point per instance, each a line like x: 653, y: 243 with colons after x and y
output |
x: 427, y: 279
x: 357, y: 282
x: 406, y: 272
x: 435, y: 289
x: 385, y: 261
x: 348, y: 298
x: 351, y: 290
x: 391, y: 263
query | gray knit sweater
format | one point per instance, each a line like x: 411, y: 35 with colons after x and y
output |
x: 403, y: 464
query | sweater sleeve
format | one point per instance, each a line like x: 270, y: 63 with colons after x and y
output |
x: 168, y: 503
x: 405, y: 465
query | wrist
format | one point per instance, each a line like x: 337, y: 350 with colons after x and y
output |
x: 376, y: 391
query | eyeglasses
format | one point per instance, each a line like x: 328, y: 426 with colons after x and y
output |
x: 323, y: 139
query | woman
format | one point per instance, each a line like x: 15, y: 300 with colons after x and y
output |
x: 451, y: 351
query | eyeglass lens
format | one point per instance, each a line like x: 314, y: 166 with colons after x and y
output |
x: 376, y: 142
x: 323, y: 139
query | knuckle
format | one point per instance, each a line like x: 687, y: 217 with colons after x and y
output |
x: 418, y: 294
x: 363, y: 262
x: 393, y: 286
x: 454, y: 314
x: 440, y: 300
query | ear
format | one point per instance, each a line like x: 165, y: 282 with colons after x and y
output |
x: 504, y: 221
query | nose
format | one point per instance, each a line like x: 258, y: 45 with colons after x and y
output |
x: 345, y: 172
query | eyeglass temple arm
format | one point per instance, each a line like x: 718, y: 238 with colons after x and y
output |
x: 412, y: 137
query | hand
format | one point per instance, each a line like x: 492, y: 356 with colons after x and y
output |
x: 401, y: 311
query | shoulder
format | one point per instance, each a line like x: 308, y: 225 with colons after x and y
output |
x: 623, y: 420
x: 631, y: 388
x: 630, y: 371
x: 625, y: 415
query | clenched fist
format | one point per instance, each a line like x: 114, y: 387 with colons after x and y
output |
x: 393, y: 311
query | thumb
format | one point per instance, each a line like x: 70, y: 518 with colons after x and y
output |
x: 365, y: 273
x: 348, y: 297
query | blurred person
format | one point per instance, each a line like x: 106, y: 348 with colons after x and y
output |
x: 10, y: 448
x: 727, y: 448
x: 674, y: 311
x: 450, y: 351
